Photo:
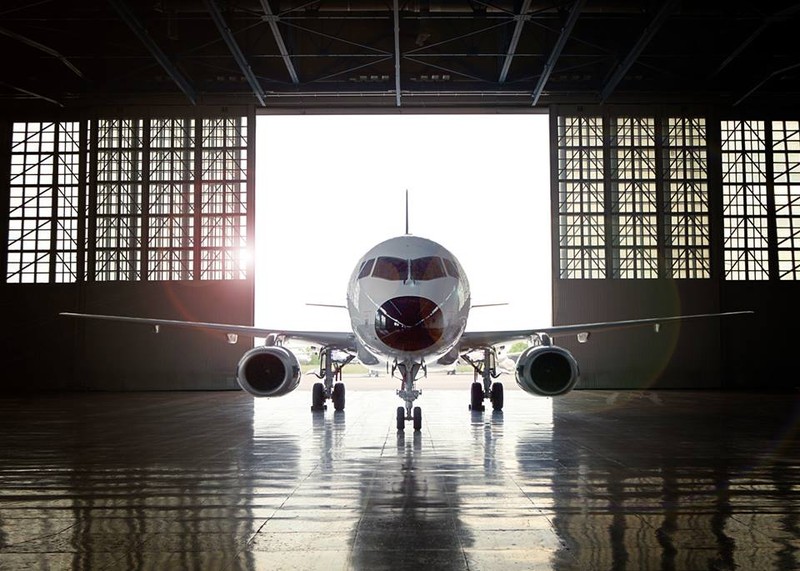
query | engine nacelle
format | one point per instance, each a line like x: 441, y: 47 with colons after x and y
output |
x: 547, y: 371
x: 268, y: 371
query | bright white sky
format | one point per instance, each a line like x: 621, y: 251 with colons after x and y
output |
x: 330, y: 187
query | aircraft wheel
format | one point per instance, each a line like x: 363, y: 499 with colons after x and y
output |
x: 401, y: 418
x: 496, y: 396
x: 476, y: 397
x: 417, y: 418
x: 338, y: 396
x: 318, y: 397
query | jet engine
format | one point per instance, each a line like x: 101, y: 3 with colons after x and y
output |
x: 547, y: 371
x: 268, y: 371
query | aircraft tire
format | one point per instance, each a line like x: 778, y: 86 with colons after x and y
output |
x: 318, y: 397
x: 476, y: 397
x: 417, y: 419
x: 338, y: 396
x: 496, y: 396
x: 401, y: 419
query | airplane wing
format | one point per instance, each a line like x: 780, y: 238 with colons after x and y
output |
x: 340, y: 340
x: 472, y: 339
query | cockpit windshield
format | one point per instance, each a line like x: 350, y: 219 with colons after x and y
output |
x: 428, y: 268
x: 452, y: 270
x: 366, y: 268
x: 397, y: 269
x: 393, y: 269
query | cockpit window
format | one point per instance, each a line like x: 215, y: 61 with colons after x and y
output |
x: 428, y: 268
x: 366, y: 268
x: 394, y: 269
x: 452, y: 269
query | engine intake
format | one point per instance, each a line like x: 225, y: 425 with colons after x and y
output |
x: 547, y: 371
x: 268, y: 371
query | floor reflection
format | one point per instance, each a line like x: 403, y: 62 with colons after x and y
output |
x: 410, y: 509
x: 595, y: 480
x: 684, y: 486
x: 136, y: 482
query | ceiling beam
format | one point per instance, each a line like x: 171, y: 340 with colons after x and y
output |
x: 42, y: 47
x: 757, y: 86
x: 649, y: 32
x: 396, y: 10
x: 777, y: 17
x: 141, y: 32
x: 512, y: 46
x: 31, y: 93
x: 272, y: 20
x: 241, y: 61
x: 557, y: 49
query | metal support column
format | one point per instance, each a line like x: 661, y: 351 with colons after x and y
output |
x: 145, y: 201
x: 396, y: 10
x: 661, y: 159
x: 91, y: 242
x: 772, y: 223
x: 6, y: 139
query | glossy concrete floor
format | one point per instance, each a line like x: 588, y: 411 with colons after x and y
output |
x: 216, y: 480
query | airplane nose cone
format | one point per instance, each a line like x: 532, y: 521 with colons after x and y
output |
x: 409, y: 323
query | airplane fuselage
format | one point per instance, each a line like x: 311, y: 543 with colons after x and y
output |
x: 409, y: 300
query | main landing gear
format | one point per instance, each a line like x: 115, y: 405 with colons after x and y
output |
x: 485, y: 370
x: 409, y: 393
x: 330, y: 371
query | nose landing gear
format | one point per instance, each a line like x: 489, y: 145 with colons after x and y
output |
x: 409, y: 393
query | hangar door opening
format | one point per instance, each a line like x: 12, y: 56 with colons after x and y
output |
x: 328, y: 188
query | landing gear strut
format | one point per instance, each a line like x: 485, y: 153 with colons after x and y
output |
x: 483, y: 387
x: 330, y: 371
x: 409, y: 394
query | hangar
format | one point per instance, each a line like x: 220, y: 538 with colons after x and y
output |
x: 127, y: 172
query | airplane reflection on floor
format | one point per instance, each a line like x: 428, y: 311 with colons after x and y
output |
x: 594, y: 480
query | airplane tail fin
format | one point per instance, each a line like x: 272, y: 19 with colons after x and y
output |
x: 406, y: 212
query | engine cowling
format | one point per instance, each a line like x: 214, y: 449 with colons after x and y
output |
x: 547, y: 371
x: 268, y: 371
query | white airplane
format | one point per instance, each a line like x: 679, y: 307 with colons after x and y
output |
x: 408, y: 300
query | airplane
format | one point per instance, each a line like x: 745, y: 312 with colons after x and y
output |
x: 408, y: 299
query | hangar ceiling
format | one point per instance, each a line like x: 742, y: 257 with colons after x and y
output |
x: 399, y: 53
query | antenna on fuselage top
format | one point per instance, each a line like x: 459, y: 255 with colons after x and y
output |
x: 406, y: 212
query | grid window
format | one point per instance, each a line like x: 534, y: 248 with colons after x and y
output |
x: 686, y: 207
x: 786, y: 173
x: 171, y: 227
x: 118, y: 216
x: 165, y: 223
x: 744, y: 195
x: 166, y: 204
x: 223, y: 200
x: 44, y: 191
x: 633, y: 198
x: 581, y: 205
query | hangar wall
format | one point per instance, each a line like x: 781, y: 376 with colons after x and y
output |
x: 675, y: 211
x: 126, y: 213
x: 656, y: 212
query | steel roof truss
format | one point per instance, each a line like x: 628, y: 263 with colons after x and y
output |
x: 649, y: 32
x: 566, y: 31
x: 512, y: 46
x: 141, y: 32
x: 272, y: 20
x: 227, y: 35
